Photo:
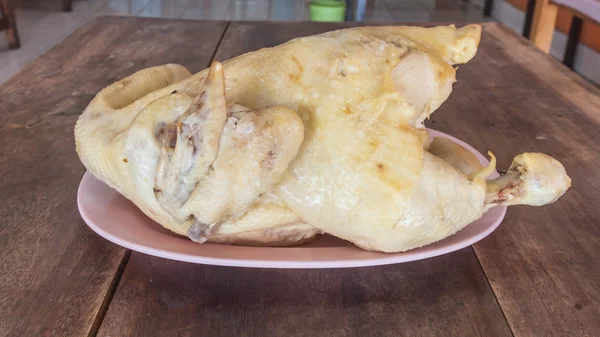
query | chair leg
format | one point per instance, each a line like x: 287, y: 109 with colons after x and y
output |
x: 544, y: 20
x: 528, y: 18
x: 572, y: 42
x: 67, y: 5
x: 12, y: 34
x: 487, y: 7
x: 349, y: 16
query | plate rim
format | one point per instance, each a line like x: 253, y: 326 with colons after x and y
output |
x: 381, y: 259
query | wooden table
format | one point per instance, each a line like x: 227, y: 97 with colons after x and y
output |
x: 538, y: 274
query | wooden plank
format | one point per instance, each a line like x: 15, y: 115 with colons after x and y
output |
x: 542, y: 262
x: 3, y: 23
x: 56, y: 272
x: 544, y: 20
x: 445, y: 296
x: 572, y: 42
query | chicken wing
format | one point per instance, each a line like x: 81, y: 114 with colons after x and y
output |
x: 322, y: 134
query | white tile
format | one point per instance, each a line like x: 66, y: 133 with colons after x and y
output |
x: 183, y: 3
x: 289, y: 11
x: 477, y: 3
x: 377, y: 5
x: 248, y: 10
x: 587, y: 63
x: 123, y: 7
x: 161, y: 9
x: 88, y: 6
x: 475, y: 13
x: 204, y: 14
x: 366, y: 11
x: 445, y: 5
x: 457, y: 16
x: 371, y: 4
x: 559, y: 44
x: 587, y: 60
x: 378, y: 16
x: 38, y: 31
x: 509, y: 15
x: 198, y: 4
x: 411, y: 16
x: 43, y: 32
x: 411, y: 5
x: 48, y: 6
x: 207, y: 10
x: 429, y: 4
x: 24, y: 15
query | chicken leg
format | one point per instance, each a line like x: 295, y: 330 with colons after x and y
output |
x: 320, y: 134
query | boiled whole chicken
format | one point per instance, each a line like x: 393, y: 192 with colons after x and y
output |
x: 322, y: 134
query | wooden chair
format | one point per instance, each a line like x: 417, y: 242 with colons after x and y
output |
x: 67, y: 5
x: 544, y: 21
x: 9, y: 23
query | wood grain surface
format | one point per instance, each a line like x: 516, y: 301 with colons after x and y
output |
x: 443, y: 296
x: 446, y: 296
x: 542, y: 262
x: 57, y: 273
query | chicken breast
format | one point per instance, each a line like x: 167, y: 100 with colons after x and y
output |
x: 322, y: 134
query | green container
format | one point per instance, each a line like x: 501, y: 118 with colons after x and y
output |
x: 327, y: 10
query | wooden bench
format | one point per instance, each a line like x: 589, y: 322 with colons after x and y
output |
x: 544, y: 21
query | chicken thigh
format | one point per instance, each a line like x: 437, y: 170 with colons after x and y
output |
x: 322, y: 134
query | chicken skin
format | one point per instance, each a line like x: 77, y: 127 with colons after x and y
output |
x: 322, y: 134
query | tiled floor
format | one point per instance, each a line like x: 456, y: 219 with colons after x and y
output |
x: 42, y: 24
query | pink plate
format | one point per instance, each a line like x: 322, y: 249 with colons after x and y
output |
x: 116, y: 219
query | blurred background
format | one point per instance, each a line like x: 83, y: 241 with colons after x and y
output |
x: 43, y: 23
